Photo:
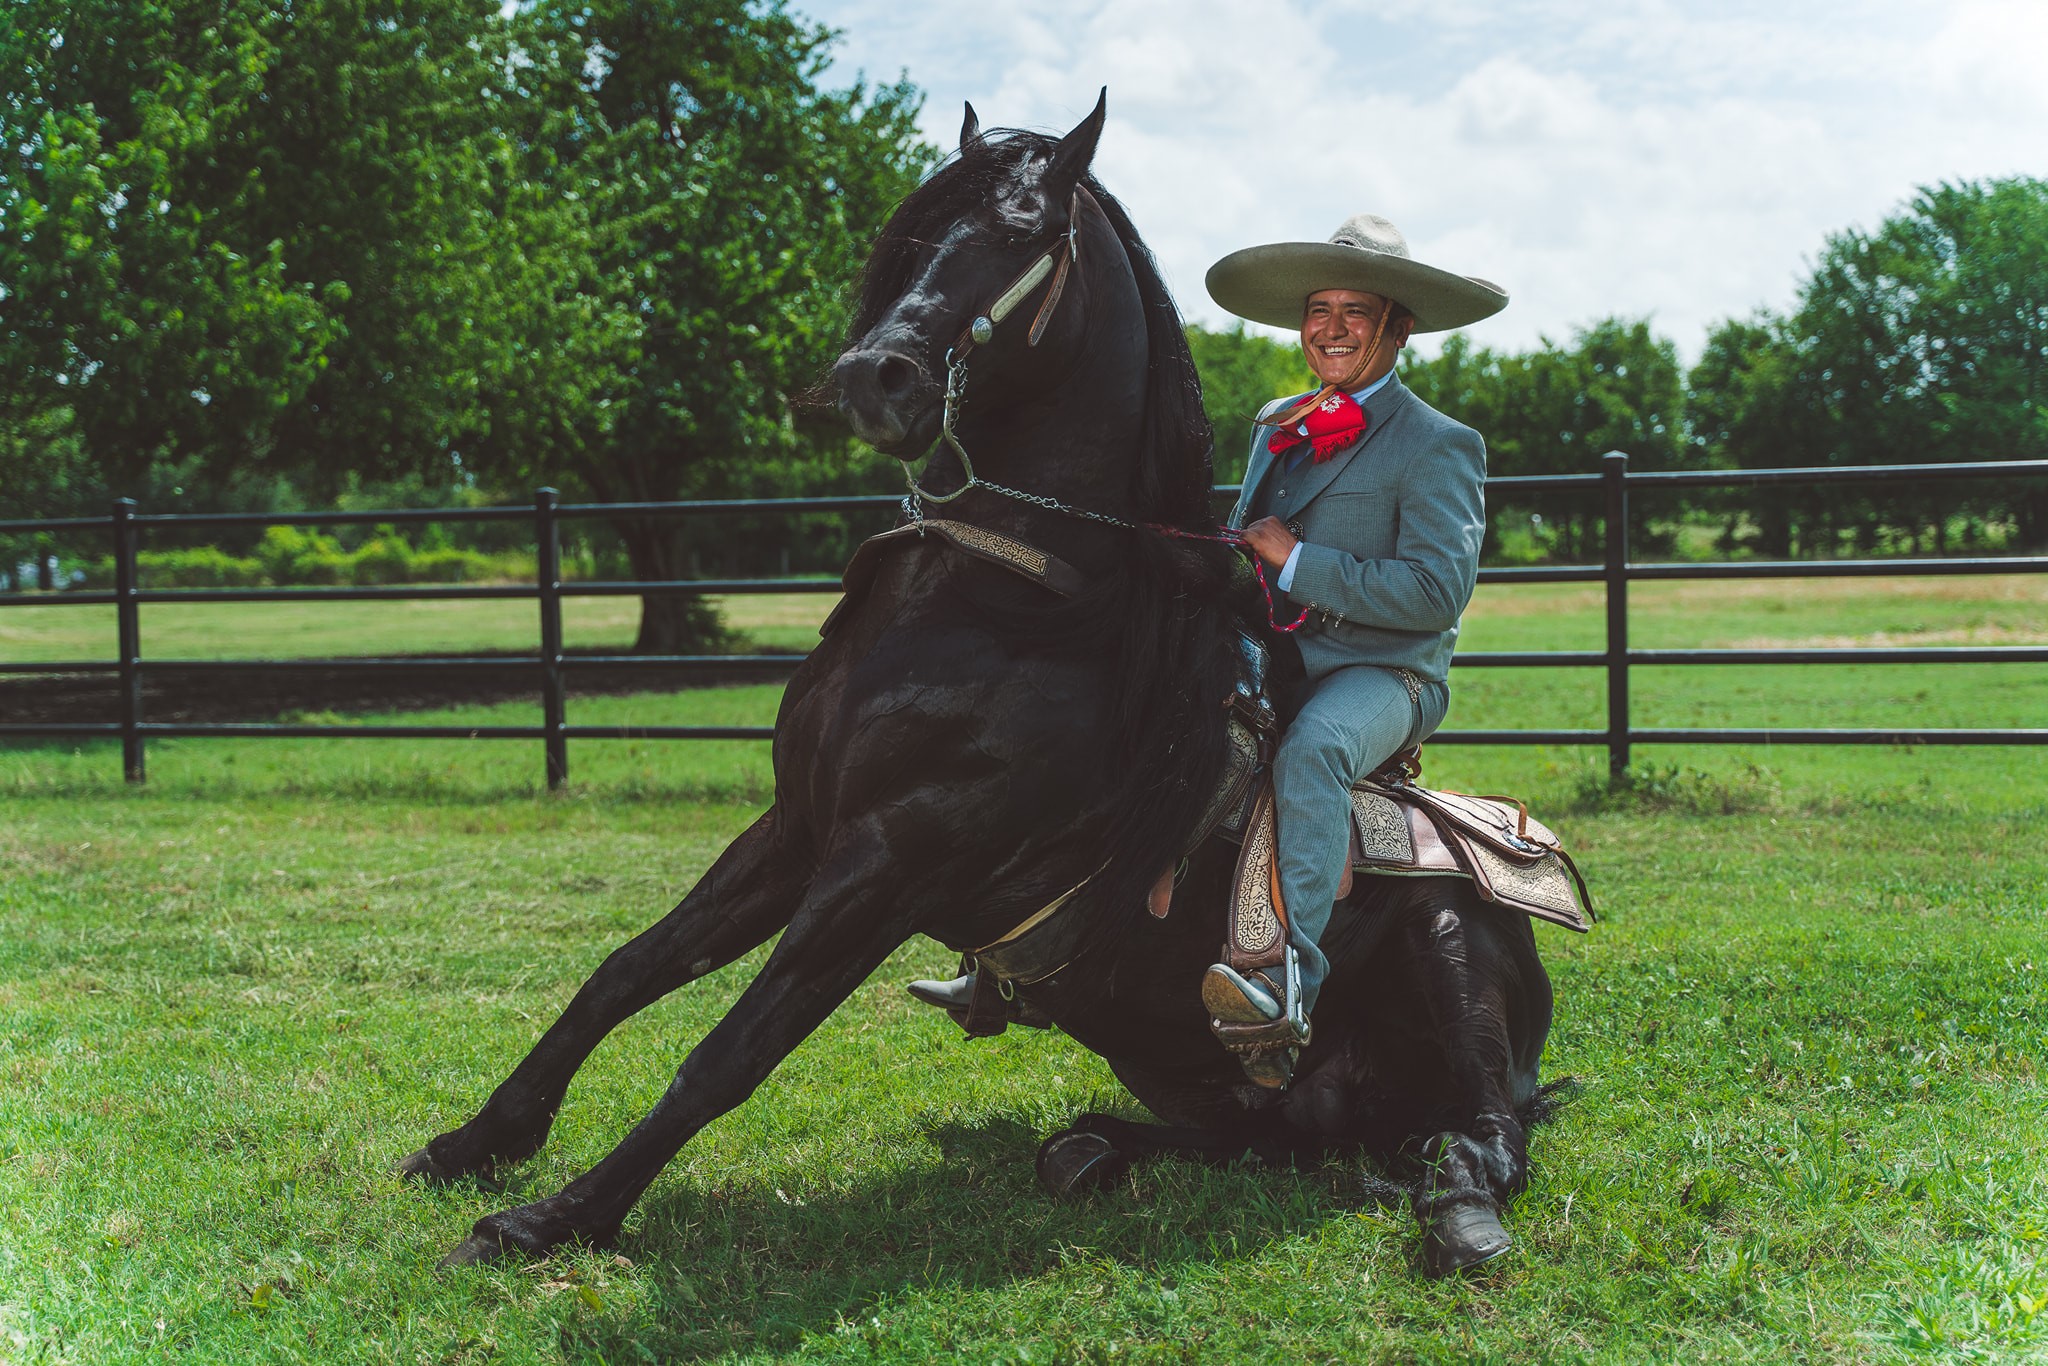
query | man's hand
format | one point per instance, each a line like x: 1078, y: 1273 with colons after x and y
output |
x: 1271, y: 541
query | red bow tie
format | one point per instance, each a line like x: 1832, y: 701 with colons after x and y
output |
x: 1329, y: 427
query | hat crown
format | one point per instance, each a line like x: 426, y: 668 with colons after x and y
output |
x: 1370, y: 232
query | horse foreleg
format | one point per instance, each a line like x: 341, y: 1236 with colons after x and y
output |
x: 1461, y: 951
x: 746, y: 895
x: 848, y: 923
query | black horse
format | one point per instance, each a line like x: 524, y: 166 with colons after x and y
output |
x: 966, y: 746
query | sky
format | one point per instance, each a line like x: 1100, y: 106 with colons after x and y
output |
x: 1631, y: 158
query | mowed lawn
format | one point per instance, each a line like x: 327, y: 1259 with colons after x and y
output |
x: 1810, y: 1033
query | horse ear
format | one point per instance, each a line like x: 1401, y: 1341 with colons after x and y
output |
x: 1070, y: 159
x: 970, y: 127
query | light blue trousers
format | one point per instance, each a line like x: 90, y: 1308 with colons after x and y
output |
x: 1351, y: 721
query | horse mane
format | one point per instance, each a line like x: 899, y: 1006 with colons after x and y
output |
x: 1162, y: 617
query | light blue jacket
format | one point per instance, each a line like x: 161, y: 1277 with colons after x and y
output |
x: 1390, y: 532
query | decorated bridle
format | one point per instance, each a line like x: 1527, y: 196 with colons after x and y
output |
x: 1056, y: 261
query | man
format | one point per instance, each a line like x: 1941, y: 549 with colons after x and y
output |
x: 1366, y: 507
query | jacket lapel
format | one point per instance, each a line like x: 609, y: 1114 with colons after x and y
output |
x: 1313, y: 478
x: 1261, y: 463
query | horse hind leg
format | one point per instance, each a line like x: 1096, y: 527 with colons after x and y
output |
x: 745, y: 896
x: 1469, y: 962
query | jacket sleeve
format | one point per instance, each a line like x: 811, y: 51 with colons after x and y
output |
x: 1441, y: 518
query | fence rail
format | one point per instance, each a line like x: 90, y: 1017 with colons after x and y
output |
x: 552, y: 666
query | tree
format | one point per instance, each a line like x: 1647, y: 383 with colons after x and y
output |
x: 248, y: 234
x: 730, y: 204
x: 131, y: 323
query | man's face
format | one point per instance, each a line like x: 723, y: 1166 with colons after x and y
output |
x: 1338, y: 324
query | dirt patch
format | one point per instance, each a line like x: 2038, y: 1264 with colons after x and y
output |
x: 223, y: 695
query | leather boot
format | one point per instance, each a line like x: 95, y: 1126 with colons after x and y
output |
x: 1258, y: 1019
x: 956, y: 998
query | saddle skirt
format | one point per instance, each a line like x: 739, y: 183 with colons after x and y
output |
x: 1408, y: 830
x: 1398, y: 829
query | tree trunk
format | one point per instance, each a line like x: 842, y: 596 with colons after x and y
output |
x: 2033, y: 519
x: 670, y: 623
x: 1774, y: 523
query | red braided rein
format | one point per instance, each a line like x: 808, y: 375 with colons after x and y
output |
x: 1236, y: 541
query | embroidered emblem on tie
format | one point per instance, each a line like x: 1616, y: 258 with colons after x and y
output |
x: 1329, y: 427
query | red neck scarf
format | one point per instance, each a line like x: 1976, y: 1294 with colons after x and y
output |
x: 1329, y: 427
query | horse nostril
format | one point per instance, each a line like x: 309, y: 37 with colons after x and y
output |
x: 896, y: 376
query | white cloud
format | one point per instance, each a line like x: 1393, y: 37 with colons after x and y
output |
x: 1597, y: 157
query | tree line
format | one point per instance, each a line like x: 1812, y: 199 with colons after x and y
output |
x: 258, y: 254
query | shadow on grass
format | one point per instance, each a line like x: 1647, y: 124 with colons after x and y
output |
x: 757, y: 1268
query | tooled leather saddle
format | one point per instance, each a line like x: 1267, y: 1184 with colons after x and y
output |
x: 1398, y: 828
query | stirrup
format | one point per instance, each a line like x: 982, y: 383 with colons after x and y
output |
x: 1263, y: 1031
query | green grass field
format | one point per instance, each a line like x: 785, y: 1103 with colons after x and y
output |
x: 1811, y: 1032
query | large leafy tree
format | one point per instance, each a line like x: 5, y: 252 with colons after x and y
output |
x: 731, y: 200
x: 246, y: 234
x: 131, y: 326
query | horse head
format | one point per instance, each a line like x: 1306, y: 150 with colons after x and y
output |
x: 995, y: 232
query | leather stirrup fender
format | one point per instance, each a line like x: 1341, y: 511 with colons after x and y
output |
x: 1257, y: 938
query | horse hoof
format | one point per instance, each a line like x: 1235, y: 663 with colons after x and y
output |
x: 1073, y: 1164
x: 421, y: 1166
x: 1462, y: 1238
x: 473, y: 1251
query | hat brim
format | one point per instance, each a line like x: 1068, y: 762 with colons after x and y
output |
x: 1269, y: 284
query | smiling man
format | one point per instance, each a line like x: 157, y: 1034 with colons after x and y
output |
x: 1367, y: 507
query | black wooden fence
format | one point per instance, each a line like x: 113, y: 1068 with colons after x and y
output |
x: 553, y: 666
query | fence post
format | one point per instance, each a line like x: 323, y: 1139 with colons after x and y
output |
x: 128, y: 632
x: 1613, y: 475
x: 547, y: 538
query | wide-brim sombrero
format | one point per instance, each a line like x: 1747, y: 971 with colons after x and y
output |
x: 1268, y: 284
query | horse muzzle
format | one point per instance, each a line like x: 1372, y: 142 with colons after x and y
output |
x: 889, y: 400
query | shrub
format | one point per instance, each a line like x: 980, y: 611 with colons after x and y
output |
x: 290, y: 557
x: 384, y: 559
x: 457, y: 566
x: 202, y: 566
